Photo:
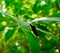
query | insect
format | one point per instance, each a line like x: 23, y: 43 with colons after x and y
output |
x: 34, y: 29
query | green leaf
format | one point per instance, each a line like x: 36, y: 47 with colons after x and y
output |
x: 38, y: 2
x: 34, y: 44
x: 17, y: 8
x: 50, y: 34
x: 22, y: 12
x: 55, y: 14
x: 9, y: 34
x: 38, y: 8
x: 48, y: 45
x: 44, y: 12
x: 2, y: 28
x: 26, y: 17
x: 30, y: 13
x: 20, y: 31
x: 15, y: 49
x: 1, y: 15
x: 18, y: 5
x: 46, y: 19
x: 9, y: 2
x: 40, y: 33
x: 58, y: 1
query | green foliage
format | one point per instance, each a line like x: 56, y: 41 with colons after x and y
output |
x: 16, y: 34
x: 9, y: 34
x: 1, y: 15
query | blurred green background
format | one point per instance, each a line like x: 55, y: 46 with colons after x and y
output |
x: 16, y: 36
